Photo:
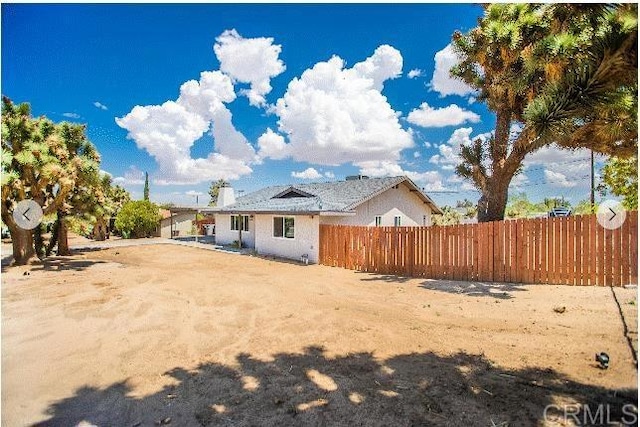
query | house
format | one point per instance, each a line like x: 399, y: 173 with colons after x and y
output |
x: 285, y: 220
x: 175, y: 224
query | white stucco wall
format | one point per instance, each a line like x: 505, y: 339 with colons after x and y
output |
x: 225, y: 236
x: 394, y: 202
x: 182, y: 222
x: 305, y: 241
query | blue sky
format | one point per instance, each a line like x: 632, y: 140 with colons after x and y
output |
x: 291, y: 93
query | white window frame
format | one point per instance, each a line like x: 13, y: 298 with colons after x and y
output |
x: 397, y: 221
x: 284, y: 218
x: 378, y: 220
x: 234, y: 222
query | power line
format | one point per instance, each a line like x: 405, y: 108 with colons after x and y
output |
x: 527, y: 184
x: 545, y: 182
x: 566, y: 162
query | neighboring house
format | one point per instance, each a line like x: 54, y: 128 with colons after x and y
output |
x: 176, y: 224
x: 285, y: 220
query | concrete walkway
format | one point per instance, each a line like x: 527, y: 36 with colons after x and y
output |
x: 80, y: 243
x: 152, y: 241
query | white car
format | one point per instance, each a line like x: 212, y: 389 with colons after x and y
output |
x: 559, y: 212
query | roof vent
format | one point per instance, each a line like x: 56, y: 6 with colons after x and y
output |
x: 292, y: 192
x: 356, y: 177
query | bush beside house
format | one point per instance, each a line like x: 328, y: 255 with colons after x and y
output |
x: 138, y: 219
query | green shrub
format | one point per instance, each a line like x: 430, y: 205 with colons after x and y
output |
x: 138, y: 219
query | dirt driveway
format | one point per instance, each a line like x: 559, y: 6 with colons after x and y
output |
x: 171, y: 335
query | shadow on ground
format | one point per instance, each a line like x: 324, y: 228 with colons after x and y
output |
x: 56, y: 263
x: 356, y: 389
x: 373, y: 277
x: 474, y: 289
x: 61, y: 263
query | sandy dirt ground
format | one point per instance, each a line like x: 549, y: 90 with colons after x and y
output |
x: 172, y: 335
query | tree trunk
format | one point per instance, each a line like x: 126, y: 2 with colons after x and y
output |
x: 63, y: 242
x: 100, y: 230
x: 22, y: 242
x: 493, y: 202
x: 39, y: 242
x: 53, y: 241
x: 495, y: 191
x: 21, y: 239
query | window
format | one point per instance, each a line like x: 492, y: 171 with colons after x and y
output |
x: 234, y: 222
x: 284, y: 227
x: 378, y: 220
x: 396, y: 221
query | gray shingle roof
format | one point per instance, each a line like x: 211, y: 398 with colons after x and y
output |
x: 339, y: 196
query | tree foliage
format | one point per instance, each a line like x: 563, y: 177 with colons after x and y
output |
x: 552, y: 73
x: 470, y: 210
x: 449, y: 216
x: 583, y: 207
x: 138, y: 219
x: 146, y: 186
x: 620, y: 176
x: 58, y: 167
x: 42, y: 161
x: 519, y: 206
x: 105, y: 203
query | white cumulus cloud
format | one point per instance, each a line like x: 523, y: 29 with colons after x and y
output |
x: 430, y: 180
x: 453, y: 115
x: 449, y: 152
x: 416, y: 72
x: 309, y: 173
x: 254, y: 61
x: 448, y: 156
x: 554, y: 154
x: 206, y: 97
x: 166, y: 131
x: 519, y: 181
x: 272, y: 145
x: 133, y: 176
x: 442, y: 81
x: 333, y: 115
x: 169, y: 131
x: 100, y: 105
x: 229, y: 141
x: 558, y: 178
x: 384, y: 64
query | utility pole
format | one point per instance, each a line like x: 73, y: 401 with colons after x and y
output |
x: 593, y: 184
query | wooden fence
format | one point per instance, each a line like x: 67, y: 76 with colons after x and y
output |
x: 574, y: 250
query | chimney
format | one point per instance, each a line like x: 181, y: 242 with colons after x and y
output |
x: 225, y: 197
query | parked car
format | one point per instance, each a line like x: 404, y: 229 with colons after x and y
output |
x: 559, y: 212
